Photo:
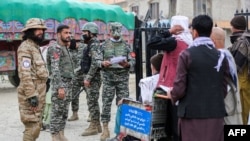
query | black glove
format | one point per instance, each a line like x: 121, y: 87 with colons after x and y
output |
x: 33, y: 101
x: 164, y: 33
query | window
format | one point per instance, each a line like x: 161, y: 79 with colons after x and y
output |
x: 202, y: 7
x: 172, y: 8
x: 135, y: 9
x: 154, y: 10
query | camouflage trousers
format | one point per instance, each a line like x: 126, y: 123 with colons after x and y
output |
x: 32, y: 131
x: 27, y: 115
x: 31, y: 120
x: 93, y: 96
x: 60, y: 107
x: 77, y: 85
x: 112, y: 87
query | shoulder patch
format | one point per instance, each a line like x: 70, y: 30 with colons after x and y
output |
x: 55, y: 55
x: 132, y: 54
x: 26, y: 63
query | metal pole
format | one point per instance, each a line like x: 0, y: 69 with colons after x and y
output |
x: 138, y: 61
x: 247, y: 14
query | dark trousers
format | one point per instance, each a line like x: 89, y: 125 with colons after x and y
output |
x: 172, y: 122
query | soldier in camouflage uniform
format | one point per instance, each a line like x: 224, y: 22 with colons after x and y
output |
x: 115, y: 74
x: 33, y: 75
x: 77, y: 80
x: 92, y: 76
x: 60, y: 68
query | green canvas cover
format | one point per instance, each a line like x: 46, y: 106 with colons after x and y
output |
x: 22, y: 10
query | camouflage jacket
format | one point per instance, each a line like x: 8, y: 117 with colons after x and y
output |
x: 31, y: 66
x: 111, y: 49
x: 60, y: 64
x: 73, y: 54
x: 77, y: 57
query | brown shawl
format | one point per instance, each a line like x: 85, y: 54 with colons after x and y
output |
x: 241, y: 51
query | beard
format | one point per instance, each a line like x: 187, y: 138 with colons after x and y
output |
x: 38, y: 38
x: 65, y: 40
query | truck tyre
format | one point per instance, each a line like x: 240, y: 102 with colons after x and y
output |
x: 14, y: 79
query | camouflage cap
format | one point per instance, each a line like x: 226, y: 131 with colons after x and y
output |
x: 34, y: 23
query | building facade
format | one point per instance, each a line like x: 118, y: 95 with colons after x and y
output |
x: 222, y: 11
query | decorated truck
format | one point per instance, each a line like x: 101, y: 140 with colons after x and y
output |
x: 75, y: 13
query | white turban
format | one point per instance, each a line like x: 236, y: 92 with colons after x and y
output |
x: 183, y: 21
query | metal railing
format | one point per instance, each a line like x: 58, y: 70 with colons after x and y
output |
x: 143, y: 32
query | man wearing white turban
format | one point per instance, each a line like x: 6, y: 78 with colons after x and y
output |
x: 175, y: 40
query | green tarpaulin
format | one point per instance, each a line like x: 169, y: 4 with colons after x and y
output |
x: 22, y: 10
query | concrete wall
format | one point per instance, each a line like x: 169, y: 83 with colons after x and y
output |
x: 223, y: 10
x: 185, y: 8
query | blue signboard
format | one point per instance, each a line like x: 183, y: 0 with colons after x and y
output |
x: 136, y: 119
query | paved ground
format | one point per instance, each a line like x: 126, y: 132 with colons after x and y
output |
x: 11, y: 128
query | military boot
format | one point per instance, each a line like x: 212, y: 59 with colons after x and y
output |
x: 62, y: 137
x: 92, y: 129
x: 105, y: 132
x: 73, y: 117
x: 99, y: 127
x: 56, y: 137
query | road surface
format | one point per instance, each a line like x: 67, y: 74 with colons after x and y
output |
x: 11, y: 127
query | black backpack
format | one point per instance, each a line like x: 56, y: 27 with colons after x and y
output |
x: 86, y: 60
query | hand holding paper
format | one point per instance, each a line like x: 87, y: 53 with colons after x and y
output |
x: 116, y: 60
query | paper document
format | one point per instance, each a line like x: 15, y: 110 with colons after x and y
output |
x: 166, y: 89
x: 116, y: 60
